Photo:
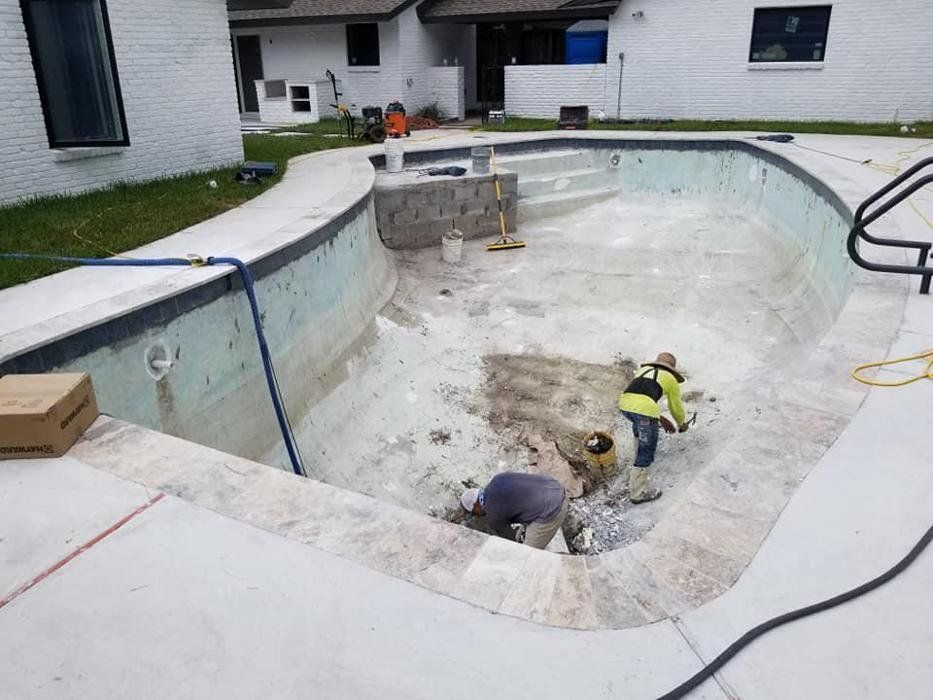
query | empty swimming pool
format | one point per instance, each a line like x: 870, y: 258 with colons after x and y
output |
x: 407, y: 377
x: 733, y: 263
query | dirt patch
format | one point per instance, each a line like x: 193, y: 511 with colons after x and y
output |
x: 692, y: 396
x: 439, y: 436
x: 552, y: 396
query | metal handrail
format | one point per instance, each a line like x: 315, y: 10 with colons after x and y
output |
x: 861, y: 221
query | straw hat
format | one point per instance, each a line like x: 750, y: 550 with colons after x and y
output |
x: 666, y: 360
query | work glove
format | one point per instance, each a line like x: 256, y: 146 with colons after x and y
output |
x: 667, y: 425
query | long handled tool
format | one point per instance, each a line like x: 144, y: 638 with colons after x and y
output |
x: 505, y: 240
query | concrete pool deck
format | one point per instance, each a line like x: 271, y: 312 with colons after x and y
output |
x: 834, y: 533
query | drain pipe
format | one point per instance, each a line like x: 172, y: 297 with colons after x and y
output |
x: 619, y: 99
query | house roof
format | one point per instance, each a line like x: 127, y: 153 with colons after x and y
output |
x: 498, y: 10
x: 313, y: 11
x: 256, y: 4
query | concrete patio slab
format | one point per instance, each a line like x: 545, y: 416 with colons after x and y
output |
x: 285, y: 590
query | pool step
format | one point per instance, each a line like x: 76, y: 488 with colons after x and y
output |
x: 552, y: 162
x: 555, y: 204
x: 568, y: 181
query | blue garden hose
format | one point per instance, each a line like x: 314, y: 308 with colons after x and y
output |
x: 275, y: 392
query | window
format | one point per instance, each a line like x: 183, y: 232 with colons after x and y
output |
x: 72, y: 54
x: 363, y: 44
x: 789, y: 34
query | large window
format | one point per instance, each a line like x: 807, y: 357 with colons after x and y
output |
x: 789, y: 34
x: 72, y: 54
x: 363, y: 44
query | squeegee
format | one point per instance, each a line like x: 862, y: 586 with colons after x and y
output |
x: 505, y: 240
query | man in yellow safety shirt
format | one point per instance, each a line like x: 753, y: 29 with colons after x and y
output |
x: 639, y: 403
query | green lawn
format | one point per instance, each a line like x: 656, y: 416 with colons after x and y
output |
x: 922, y: 129
x: 128, y: 216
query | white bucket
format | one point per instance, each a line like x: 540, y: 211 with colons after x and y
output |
x: 395, y: 155
x: 452, y: 246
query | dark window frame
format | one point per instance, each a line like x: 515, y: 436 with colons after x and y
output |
x: 352, y: 44
x: 43, y: 96
x: 789, y: 8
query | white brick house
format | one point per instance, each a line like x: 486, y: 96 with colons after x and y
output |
x: 859, y: 60
x: 379, y: 51
x: 685, y: 60
x: 103, y: 91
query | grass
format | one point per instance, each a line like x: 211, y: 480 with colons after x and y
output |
x: 126, y: 216
x: 921, y: 129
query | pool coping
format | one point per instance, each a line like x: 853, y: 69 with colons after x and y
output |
x: 50, y: 343
x: 693, y: 555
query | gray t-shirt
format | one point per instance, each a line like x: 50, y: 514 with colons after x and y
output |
x: 512, y: 497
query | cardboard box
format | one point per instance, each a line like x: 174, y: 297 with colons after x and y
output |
x: 42, y: 415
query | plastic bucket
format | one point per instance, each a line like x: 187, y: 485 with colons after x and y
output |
x: 601, y: 457
x: 395, y: 155
x: 480, y: 157
x: 452, y: 246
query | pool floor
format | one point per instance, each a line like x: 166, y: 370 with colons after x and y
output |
x: 472, y: 365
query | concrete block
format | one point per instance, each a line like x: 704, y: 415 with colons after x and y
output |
x: 413, y: 198
x: 446, y: 194
x: 464, y: 192
x: 429, y: 213
x: 452, y: 209
x: 479, y: 207
x: 424, y: 234
x: 389, y: 199
x: 405, y: 216
x: 466, y: 223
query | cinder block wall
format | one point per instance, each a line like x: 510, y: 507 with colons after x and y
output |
x: 416, y: 215
x: 176, y: 74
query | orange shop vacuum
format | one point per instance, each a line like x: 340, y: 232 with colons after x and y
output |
x: 396, y: 123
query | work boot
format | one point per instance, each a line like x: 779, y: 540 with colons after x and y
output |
x: 638, y: 489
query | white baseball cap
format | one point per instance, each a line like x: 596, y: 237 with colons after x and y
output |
x: 468, y: 499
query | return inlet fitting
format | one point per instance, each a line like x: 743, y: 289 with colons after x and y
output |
x: 158, y: 360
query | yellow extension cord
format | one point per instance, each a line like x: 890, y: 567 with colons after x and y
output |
x: 928, y: 373
x: 893, y: 169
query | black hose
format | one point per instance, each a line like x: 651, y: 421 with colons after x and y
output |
x: 734, y: 648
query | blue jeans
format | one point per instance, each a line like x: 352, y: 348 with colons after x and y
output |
x: 645, y: 430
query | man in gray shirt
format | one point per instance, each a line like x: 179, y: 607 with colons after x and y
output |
x: 536, y: 501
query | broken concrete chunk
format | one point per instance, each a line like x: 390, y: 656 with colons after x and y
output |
x: 547, y: 460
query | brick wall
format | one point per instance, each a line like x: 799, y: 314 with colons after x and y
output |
x: 176, y: 75
x: 540, y: 90
x: 691, y: 60
x: 303, y: 53
x: 417, y: 214
x: 429, y: 45
x: 447, y: 90
x: 279, y: 110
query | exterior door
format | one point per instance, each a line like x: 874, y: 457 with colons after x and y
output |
x: 248, y: 70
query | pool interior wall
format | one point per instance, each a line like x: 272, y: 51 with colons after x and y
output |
x: 355, y: 352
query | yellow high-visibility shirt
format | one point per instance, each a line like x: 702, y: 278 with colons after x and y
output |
x: 646, y: 406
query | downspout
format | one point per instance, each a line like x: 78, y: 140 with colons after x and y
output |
x: 619, y: 99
